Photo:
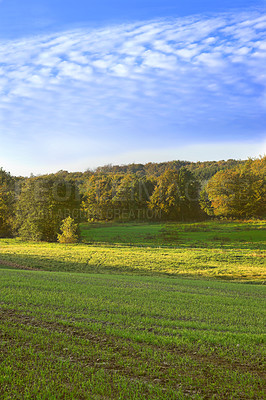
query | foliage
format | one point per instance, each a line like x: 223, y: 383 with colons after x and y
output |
x: 42, y: 205
x: 107, y: 196
x: 134, y: 192
x: 7, y: 200
x: 205, y: 203
x: 70, y: 231
x: 239, y: 192
x: 97, y: 197
x: 201, y: 170
x: 176, y: 195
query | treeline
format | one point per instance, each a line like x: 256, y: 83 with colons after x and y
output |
x: 36, y: 208
x: 238, y: 192
x: 171, y: 196
x: 201, y: 170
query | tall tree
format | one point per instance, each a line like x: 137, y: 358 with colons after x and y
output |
x: 176, y: 195
x: 7, y: 203
x: 239, y: 192
x: 97, y: 198
x: 42, y: 205
x: 132, y: 194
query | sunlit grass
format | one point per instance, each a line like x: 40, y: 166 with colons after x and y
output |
x: 217, y: 262
x: 120, y: 316
x: 128, y: 337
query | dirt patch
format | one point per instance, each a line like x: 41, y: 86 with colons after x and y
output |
x: 17, y: 266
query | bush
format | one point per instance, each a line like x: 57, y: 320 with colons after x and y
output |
x: 70, y: 231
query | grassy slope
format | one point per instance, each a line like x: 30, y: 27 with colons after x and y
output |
x: 92, y: 336
x: 210, y: 250
x: 67, y: 334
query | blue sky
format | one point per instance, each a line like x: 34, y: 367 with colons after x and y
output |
x: 86, y: 83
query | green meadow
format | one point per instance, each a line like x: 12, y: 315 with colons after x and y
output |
x: 232, y: 251
x: 135, y: 311
x: 209, y: 234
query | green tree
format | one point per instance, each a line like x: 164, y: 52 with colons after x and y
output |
x: 97, y: 198
x: 132, y: 194
x: 7, y: 203
x: 42, y: 205
x: 108, y: 196
x: 239, y: 192
x: 176, y: 195
x: 70, y: 231
x: 125, y: 192
x: 205, y: 203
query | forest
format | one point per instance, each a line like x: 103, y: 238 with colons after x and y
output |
x: 34, y: 208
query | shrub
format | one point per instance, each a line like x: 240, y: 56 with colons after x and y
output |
x: 70, y: 231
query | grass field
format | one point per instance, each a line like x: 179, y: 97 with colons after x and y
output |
x: 78, y: 336
x: 121, y: 315
x: 209, y: 234
x: 191, y: 250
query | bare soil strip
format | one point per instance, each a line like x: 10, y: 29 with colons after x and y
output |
x: 17, y: 266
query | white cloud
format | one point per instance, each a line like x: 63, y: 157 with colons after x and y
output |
x: 156, y: 60
x: 211, y: 60
x: 162, y: 81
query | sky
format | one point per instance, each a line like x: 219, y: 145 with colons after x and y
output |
x: 85, y: 83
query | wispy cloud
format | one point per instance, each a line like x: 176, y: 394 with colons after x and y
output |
x: 86, y: 93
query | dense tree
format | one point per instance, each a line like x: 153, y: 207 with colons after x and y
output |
x: 97, y: 199
x: 239, y: 192
x: 201, y: 170
x: 134, y: 191
x: 205, y: 203
x: 42, y: 205
x: 176, y: 195
x: 7, y: 203
x: 116, y: 196
x: 132, y: 195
